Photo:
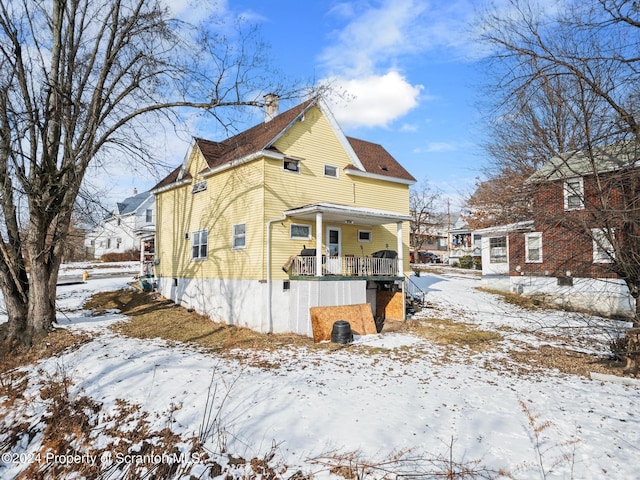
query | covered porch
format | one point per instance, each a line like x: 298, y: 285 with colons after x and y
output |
x: 326, y: 259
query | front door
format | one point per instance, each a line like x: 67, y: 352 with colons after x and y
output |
x: 334, y: 251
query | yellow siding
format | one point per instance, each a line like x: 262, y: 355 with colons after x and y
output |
x: 260, y: 191
x: 315, y: 143
x: 232, y: 197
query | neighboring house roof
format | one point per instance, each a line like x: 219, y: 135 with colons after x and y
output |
x: 577, y: 164
x: 370, y: 158
x: 509, y: 228
x: 131, y: 204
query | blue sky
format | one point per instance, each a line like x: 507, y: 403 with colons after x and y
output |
x: 410, y: 67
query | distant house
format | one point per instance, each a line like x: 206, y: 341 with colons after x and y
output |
x: 291, y: 214
x: 562, y: 253
x: 463, y: 241
x: 131, y: 221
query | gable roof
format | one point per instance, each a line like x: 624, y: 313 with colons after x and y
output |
x: 131, y: 204
x: 377, y: 161
x: 577, y: 164
x: 367, y: 157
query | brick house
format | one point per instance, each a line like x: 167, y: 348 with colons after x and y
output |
x: 566, y: 251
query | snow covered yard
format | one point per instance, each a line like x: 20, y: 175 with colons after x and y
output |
x: 396, y: 402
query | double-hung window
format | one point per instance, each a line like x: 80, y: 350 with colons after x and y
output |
x: 498, y: 250
x: 603, y: 251
x: 574, y: 194
x: 239, y: 239
x: 533, y: 247
x: 199, y: 242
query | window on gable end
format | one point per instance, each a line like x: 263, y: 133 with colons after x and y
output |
x: 291, y: 165
x: 574, y: 194
x: 331, y: 171
x: 533, y: 247
x: 198, y: 187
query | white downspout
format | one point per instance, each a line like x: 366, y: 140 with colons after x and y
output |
x: 269, y: 283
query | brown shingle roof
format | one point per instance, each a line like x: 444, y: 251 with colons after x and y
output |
x: 376, y: 160
x: 374, y: 157
x: 249, y: 141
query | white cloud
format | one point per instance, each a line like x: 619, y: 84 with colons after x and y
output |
x: 375, y: 101
x: 440, y: 147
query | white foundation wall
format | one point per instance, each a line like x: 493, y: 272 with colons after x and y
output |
x: 608, y: 297
x: 307, y: 294
x: 243, y: 303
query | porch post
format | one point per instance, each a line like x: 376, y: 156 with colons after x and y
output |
x: 399, y: 238
x: 318, y: 244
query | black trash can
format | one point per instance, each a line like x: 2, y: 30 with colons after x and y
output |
x: 341, y: 332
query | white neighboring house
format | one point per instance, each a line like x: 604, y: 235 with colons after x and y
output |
x: 131, y: 223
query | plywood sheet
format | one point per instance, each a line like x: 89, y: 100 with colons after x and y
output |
x: 359, y: 317
x: 390, y: 305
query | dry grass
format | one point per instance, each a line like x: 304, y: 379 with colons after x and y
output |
x: 522, y: 301
x: 455, y: 334
x: 152, y: 316
x: 57, y: 342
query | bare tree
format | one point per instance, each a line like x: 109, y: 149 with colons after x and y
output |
x: 423, y: 207
x: 583, y: 56
x: 85, y: 81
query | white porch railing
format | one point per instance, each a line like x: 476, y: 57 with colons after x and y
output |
x: 346, y: 266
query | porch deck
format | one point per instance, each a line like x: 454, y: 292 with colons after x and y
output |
x: 347, y: 266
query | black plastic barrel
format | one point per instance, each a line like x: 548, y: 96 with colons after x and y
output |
x: 341, y: 332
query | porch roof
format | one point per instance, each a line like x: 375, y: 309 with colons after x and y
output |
x: 335, y: 213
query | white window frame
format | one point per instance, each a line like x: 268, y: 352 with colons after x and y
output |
x: 603, y: 251
x: 571, y: 192
x: 331, y: 167
x: 198, y: 187
x: 492, y: 257
x: 239, y: 239
x: 149, y: 215
x: 299, y: 237
x: 370, y: 235
x: 199, y: 244
x: 290, y: 161
x: 527, y: 249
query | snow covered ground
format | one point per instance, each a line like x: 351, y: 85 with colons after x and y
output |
x: 385, y: 395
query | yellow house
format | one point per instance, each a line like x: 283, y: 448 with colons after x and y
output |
x: 288, y: 215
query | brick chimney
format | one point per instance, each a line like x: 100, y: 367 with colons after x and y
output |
x: 270, y: 106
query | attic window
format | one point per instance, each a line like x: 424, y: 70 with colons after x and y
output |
x: 330, y: 171
x: 384, y: 168
x: 291, y: 165
x: 199, y: 187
